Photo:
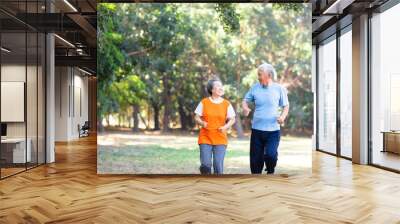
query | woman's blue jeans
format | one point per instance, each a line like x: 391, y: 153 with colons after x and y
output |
x: 212, y: 156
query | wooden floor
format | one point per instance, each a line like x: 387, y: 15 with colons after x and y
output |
x: 70, y: 191
x: 387, y: 159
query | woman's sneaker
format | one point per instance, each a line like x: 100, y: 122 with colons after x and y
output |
x: 205, y: 170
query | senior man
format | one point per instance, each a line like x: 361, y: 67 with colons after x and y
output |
x: 268, y: 97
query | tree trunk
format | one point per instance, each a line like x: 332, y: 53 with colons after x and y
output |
x: 238, y: 123
x: 167, y: 113
x: 182, y: 115
x: 167, y: 104
x: 144, y: 121
x: 148, y: 115
x: 156, y: 116
x: 100, y: 126
x: 135, y: 115
x: 190, y: 121
x: 108, y: 120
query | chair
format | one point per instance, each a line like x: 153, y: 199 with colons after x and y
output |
x: 84, y: 130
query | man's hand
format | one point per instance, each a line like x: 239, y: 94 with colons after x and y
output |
x: 281, y: 119
x: 204, y: 124
x: 246, y: 109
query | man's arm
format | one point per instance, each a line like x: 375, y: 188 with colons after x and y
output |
x: 246, y: 108
x: 281, y: 119
x: 249, y: 97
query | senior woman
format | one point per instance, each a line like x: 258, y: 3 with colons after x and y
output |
x: 215, y: 115
x: 268, y: 97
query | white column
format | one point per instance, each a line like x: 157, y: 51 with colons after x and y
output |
x: 50, y: 100
x: 50, y: 92
x: 360, y: 90
x: 314, y: 91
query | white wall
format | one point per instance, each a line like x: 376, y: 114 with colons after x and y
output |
x: 62, y: 81
x: 9, y: 73
x: 71, y: 87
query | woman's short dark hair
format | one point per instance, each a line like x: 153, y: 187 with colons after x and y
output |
x: 210, y: 85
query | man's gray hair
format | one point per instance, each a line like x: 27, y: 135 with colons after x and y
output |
x: 210, y: 84
x: 268, y: 68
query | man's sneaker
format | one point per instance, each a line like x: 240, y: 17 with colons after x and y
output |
x: 272, y: 171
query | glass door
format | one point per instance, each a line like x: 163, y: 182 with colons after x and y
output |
x: 327, y: 96
x: 346, y: 93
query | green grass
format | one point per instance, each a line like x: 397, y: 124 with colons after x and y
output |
x: 172, y: 154
x: 156, y: 156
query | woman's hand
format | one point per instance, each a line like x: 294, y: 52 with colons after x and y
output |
x: 223, y: 128
x: 200, y: 121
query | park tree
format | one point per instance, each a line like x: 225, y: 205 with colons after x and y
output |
x: 109, y: 59
x: 171, y: 50
x: 155, y: 38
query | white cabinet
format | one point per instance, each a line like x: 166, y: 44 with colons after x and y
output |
x: 19, y: 155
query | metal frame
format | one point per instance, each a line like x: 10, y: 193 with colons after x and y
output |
x: 316, y: 97
x: 369, y: 98
x: 338, y: 98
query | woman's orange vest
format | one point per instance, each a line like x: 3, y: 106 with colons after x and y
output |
x: 215, y: 114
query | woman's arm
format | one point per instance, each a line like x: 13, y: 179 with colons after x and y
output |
x: 199, y: 121
x: 228, y: 124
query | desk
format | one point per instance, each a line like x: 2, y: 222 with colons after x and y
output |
x: 391, y: 141
x: 15, y: 148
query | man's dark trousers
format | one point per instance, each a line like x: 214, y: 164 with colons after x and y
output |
x: 264, y: 149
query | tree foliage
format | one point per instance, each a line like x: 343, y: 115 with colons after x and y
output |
x: 158, y: 57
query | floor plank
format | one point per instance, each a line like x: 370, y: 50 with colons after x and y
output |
x: 70, y: 191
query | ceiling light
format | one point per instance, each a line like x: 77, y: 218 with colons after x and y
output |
x: 70, y: 5
x: 86, y: 72
x: 338, y: 6
x: 5, y: 49
x: 64, y: 40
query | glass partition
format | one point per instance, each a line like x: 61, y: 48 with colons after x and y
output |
x: 327, y: 96
x: 14, y: 153
x: 22, y: 78
x: 385, y: 89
